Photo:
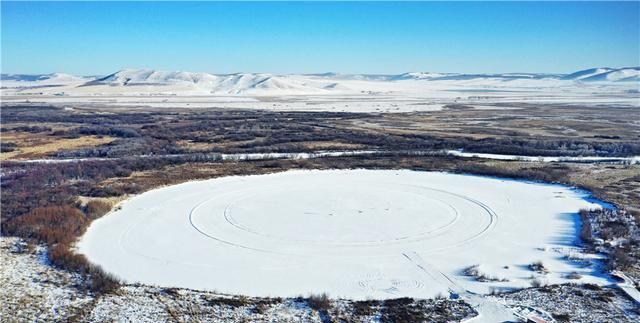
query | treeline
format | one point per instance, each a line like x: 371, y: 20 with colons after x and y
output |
x: 103, y: 131
x: 296, y: 138
x: 528, y: 147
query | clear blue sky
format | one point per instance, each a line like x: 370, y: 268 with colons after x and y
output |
x: 286, y: 37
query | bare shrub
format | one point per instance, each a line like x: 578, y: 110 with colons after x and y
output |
x: 97, y: 208
x: 61, y: 256
x: 535, y: 282
x: 365, y: 308
x: 319, y: 302
x: 561, y: 317
x: 474, y: 271
x: 592, y: 287
x: 539, y: 267
x: 260, y: 308
x: 236, y: 301
x: 95, y: 279
x: 619, y: 259
x: 471, y: 271
x: 573, y: 275
x: 100, y: 281
x: 585, y: 230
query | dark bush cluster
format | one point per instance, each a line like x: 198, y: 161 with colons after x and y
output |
x: 7, y: 146
x: 107, y: 131
x: 32, y: 129
x: 319, y: 302
x: 553, y: 173
x: 586, y: 235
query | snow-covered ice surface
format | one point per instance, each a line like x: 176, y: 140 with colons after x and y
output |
x: 351, y: 233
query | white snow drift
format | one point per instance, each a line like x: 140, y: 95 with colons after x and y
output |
x: 352, y: 233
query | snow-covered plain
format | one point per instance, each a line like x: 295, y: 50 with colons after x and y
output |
x: 351, y: 233
x: 325, y: 92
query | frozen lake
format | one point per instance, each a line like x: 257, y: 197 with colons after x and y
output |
x: 350, y: 233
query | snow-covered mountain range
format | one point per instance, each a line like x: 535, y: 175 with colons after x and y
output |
x: 167, y: 82
x: 44, y: 79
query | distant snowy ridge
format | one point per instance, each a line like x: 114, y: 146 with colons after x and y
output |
x: 240, y: 83
x: 42, y: 79
x: 146, y: 76
x: 625, y: 74
x: 148, y: 81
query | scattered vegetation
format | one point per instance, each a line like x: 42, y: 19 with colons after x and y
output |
x: 474, y: 271
x: 538, y: 267
x: 410, y: 310
x: 536, y: 282
x: 614, y: 232
x: 561, y: 317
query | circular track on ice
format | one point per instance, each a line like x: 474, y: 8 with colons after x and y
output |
x: 352, y: 233
x: 324, y: 215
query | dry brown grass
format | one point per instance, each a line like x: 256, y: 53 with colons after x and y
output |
x: 96, y: 207
x: 619, y: 184
x: 84, y: 200
x: 195, y: 146
x: 526, y: 120
x: 323, y: 145
x: 30, y: 145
